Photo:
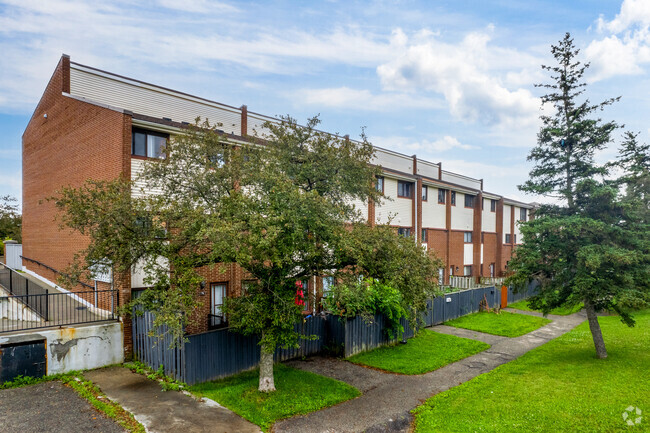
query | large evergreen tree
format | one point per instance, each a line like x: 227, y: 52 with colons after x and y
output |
x: 591, y: 248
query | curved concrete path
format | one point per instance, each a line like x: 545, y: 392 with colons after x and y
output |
x: 387, y: 398
x: 165, y: 412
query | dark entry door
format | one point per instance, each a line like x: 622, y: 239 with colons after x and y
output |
x: 22, y: 359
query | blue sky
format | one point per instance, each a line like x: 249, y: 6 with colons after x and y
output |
x: 450, y: 81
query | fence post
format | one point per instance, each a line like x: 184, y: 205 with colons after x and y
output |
x: 11, y: 281
x: 47, y: 305
x: 27, y: 290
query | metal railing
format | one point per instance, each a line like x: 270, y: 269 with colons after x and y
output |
x: 216, y: 321
x: 25, y: 304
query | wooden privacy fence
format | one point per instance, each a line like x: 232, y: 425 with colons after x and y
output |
x: 220, y: 353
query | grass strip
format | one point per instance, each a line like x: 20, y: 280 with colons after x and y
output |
x: 425, y: 352
x: 559, y: 311
x: 504, y: 323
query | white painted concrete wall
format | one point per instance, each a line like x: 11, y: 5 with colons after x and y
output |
x: 462, y: 218
x: 400, y: 208
x: 433, y: 213
x: 489, y: 218
x: 77, y: 348
x: 11, y: 309
x: 468, y: 254
x: 506, y: 221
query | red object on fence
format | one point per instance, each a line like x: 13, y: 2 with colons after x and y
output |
x: 504, y: 296
x: 300, y: 296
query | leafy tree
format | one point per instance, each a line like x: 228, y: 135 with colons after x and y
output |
x: 277, y: 207
x: 381, y: 254
x: 593, y: 248
x: 10, y: 219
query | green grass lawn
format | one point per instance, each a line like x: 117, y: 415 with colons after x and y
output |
x: 559, y: 311
x: 505, y: 324
x: 558, y: 387
x: 427, y: 351
x: 298, y: 393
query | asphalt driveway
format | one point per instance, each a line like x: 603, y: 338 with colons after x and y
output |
x: 50, y: 407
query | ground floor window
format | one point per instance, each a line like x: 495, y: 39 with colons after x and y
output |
x: 467, y: 270
x: 218, y: 293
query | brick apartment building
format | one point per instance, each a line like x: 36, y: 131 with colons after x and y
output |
x: 94, y: 124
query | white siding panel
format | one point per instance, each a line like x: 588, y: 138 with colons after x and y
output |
x: 428, y: 169
x: 254, y: 125
x: 399, y: 208
x: 481, y: 253
x: 362, y: 207
x: 489, y: 219
x: 458, y: 179
x: 140, y: 188
x: 468, y: 254
x: 506, y: 220
x: 138, y: 274
x: 151, y: 101
x: 517, y: 231
x: 433, y: 213
x: 462, y: 218
x: 393, y: 161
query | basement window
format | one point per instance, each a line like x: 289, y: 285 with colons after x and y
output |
x: 148, y: 144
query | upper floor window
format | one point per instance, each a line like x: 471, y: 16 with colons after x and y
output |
x: 467, y: 237
x: 442, y: 195
x: 380, y: 184
x: 469, y: 200
x: 453, y: 198
x: 404, y: 231
x: 148, y: 144
x: 511, y: 238
x: 404, y: 189
x: 425, y: 193
x: 493, y: 205
x: 522, y: 214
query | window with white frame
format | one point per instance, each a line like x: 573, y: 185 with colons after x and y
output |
x: 218, y: 293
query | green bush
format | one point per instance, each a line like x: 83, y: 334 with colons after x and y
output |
x: 366, y: 298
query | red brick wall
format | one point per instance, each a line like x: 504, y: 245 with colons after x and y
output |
x: 75, y: 142
x: 489, y: 253
x: 457, y: 251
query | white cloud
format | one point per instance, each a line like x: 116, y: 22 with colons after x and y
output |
x: 632, y: 12
x: 198, y: 6
x: 361, y: 99
x: 626, y: 47
x: 426, y: 148
x: 472, y: 77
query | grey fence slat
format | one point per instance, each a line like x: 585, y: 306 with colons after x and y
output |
x: 221, y: 353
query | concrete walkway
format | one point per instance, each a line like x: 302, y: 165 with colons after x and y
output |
x: 163, y: 412
x: 388, y: 398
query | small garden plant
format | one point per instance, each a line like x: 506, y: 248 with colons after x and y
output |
x: 502, y: 323
x: 426, y: 352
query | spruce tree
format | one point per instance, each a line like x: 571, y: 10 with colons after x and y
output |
x: 592, y: 248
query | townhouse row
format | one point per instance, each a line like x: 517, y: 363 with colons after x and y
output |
x: 93, y: 124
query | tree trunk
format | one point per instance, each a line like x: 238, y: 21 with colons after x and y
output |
x: 267, y: 384
x: 596, y: 334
